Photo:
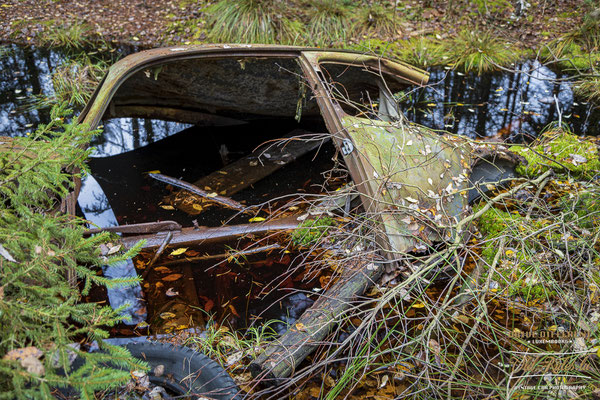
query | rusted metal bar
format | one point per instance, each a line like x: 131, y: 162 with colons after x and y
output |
x: 283, y: 355
x: 146, y: 227
x: 225, y: 201
x: 191, y: 236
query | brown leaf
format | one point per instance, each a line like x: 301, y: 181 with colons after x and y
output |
x: 172, y: 277
x: 22, y: 353
x: 33, y: 366
x: 209, y: 305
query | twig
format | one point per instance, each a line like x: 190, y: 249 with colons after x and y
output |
x: 162, y: 248
x: 534, y: 200
x: 226, y: 255
x: 483, y: 311
x: 225, y: 201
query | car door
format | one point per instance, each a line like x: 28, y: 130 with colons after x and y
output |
x: 412, y: 179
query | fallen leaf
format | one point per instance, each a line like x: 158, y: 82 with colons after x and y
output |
x: 159, y: 370
x: 300, y: 326
x: 418, y: 305
x: 233, y: 310
x: 33, y: 366
x: 155, y: 171
x: 4, y: 253
x: 172, y: 277
x: 167, y: 315
x: 209, y: 305
x: 22, y: 353
x: 113, y: 250
x: 179, y: 251
x: 171, y: 292
x: 197, y: 207
x: 167, y: 207
x: 256, y: 219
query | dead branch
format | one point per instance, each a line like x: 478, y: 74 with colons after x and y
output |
x: 224, y: 201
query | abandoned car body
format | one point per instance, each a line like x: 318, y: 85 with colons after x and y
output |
x: 415, y: 182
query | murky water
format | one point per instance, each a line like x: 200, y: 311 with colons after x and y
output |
x: 510, y: 106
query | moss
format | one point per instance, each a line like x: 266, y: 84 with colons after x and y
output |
x: 521, y: 274
x: 585, y: 206
x: 563, y: 152
x: 311, y: 231
x: 569, y: 55
x: 493, y: 224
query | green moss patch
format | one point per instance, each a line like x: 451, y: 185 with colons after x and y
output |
x: 311, y: 231
x: 561, y: 151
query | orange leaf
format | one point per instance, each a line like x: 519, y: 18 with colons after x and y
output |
x: 172, y: 277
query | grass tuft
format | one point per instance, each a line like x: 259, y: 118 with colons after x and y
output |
x: 76, y: 35
x: 376, y: 19
x: 420, y: 51
x: 251, y: 21
x: 328, y: 23
x: 589, y: 88
x: 476, y: 51
x: 74, y: 82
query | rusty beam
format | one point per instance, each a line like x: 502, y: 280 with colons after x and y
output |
x: 194, y: 236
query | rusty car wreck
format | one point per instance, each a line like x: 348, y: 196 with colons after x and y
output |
x: 414, y: 182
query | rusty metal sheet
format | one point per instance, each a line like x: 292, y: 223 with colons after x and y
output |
x: 414, y: 178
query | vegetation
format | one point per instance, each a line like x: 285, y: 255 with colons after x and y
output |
x: 376, y: 19
x: 74, y: 82
x: 478, y: 51
x: 311, y: 231
x: 251, y: 21
x: 46, y: 265
x: 328, y: 23
x: 75, y: 35
x: 558, y: 148
x: 439, y: 325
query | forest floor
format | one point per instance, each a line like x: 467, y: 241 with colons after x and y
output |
x: 153, y: 24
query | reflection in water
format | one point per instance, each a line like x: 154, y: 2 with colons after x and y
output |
x: 24, y: 72
x: 120, y: 135
x: 513, y: 106
x: 96, y: 209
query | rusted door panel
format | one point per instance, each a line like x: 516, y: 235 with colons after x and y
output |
x: 413, y: 178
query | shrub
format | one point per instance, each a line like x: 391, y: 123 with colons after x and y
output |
x: 46, y: 265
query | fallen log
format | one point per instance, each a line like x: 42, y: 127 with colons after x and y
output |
x: 193, y: 236
x: 283, y: 355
